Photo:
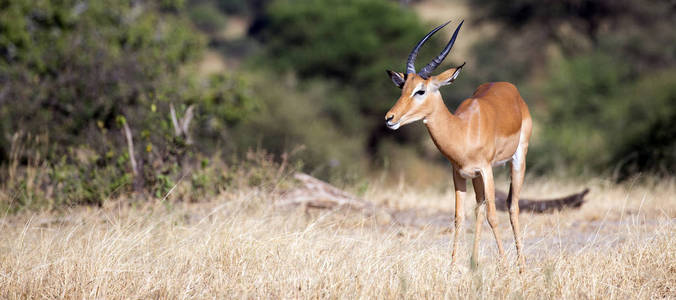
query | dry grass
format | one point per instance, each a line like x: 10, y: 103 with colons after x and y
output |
x: 619, y: 245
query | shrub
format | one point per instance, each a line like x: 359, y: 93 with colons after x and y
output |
x: 603, y: 118
x: 350, y: 43
x: 207, y: 17
x: 71, y: 68
x: 79, y: 72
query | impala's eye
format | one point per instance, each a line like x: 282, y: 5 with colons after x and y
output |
x: 420, y: 92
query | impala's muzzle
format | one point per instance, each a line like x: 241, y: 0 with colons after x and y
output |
x: 390, y: 124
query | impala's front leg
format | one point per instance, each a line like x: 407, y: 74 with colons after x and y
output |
x: 478, y: 212
x: 492, y: 218
x: 485, y: 194
x: 460, y: 185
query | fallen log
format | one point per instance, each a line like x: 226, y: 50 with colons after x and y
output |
x: 315, y: 193
x: 542, y: 205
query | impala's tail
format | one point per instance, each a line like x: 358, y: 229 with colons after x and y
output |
x: 542, y: 205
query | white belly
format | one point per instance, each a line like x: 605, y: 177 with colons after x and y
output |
x: 515, y: 159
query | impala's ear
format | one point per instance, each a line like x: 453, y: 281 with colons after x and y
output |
x: 448, y: 76
x: 397, y: 78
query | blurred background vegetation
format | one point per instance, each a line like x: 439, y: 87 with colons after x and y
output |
x: 209, y: 91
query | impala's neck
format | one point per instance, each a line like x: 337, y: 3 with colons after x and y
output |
x: 445, y: 129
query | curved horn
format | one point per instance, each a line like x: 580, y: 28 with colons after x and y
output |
x: 425, y: 71
x: 410, y: 64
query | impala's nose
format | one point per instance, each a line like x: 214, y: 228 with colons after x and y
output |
x: 388, y: 122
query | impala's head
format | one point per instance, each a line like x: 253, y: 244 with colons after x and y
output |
x: 417, y: 88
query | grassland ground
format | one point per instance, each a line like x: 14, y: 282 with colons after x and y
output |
x: 620, y: 244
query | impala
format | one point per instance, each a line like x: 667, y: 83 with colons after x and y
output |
x: 490, y: 128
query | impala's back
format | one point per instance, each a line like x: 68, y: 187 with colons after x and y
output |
x: 496, y: 107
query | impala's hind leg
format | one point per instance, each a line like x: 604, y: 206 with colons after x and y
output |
x: 460, y: 185
x: 518, y: 172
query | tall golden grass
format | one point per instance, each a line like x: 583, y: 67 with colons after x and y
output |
x: 621, y: 244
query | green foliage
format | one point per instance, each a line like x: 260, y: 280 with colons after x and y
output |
x: 79, y: 72
x: 291, y: 121
x: 229, y: 98
x: 70, y: 64
x: 338, y: 52
x: 237, y: 6
x: 645, y: 130
x: 43, y: 181
x: 597, y: 80
x: 351, y: 42
x: 598, y: 76
x: 602, y: 118
x: 207, y: 17
x: 57, y: 183
x: 636, y: 30
x: 172, y: 5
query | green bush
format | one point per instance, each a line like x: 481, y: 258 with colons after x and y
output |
x: 337, y: 53
x: 644, y: 135
x: 605, y: 106
x: 602, y: 118
x: 237, y: 6
x: 207, y: 17
x: 291, y: 120
x: 77, y: 72
x: 71, y: 66
x: 348, y: 42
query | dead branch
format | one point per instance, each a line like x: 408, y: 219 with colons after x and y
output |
x: 319, y: 194
x: 182, y: 125
x: 174, y: 120
x: 136, y: 168
x: 185, y: 124
x: 130, y: 145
